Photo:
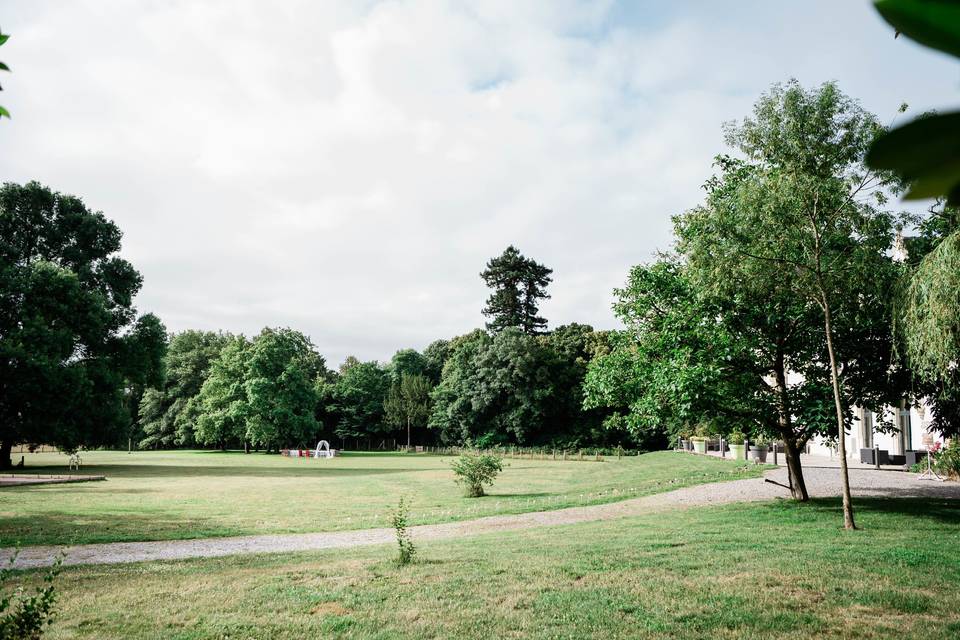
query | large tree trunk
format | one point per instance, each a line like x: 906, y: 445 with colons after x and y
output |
x: 6, y: 446
x: 848, y: 522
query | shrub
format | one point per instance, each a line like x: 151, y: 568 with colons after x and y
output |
x: 399, y: 520
x: 947, y: 461
x: 736, y: 437
x: 22, y: 616
x: 473, y: 471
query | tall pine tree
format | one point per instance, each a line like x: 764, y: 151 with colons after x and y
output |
x: 518, y: 285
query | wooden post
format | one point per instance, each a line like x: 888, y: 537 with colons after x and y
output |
x: 876, y: 457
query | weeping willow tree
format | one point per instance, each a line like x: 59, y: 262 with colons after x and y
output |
x: 931, y: 311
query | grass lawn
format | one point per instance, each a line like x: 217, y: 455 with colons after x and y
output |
x: 771, y: 570
x: 193, y: 494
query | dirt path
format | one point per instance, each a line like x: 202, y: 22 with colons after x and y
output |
x: 821, y: 482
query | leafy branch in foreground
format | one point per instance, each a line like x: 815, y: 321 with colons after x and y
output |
x: 3, y: 67
x: 925, y: 151
x: 22, y: 616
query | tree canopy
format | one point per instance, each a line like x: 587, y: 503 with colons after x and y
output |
x: 70, y: 340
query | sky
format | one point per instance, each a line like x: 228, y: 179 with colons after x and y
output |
x: 347, y: 168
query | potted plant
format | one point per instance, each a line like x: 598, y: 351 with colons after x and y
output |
x: 700, y: 439
x: 685, y: 440
x: 758, y: 451
x: 737, y: 447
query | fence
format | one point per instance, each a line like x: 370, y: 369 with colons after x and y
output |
x: 534, y: 453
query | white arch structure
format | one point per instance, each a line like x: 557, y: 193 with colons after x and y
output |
x: 323, y: 450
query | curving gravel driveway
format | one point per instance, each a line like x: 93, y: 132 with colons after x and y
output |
x: 821, y: 482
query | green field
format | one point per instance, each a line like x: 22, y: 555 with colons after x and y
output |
x: 774, y: 570
x: 194, y: 494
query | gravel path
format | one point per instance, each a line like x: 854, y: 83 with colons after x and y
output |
x: 821, y: 482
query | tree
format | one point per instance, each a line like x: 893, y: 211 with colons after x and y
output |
x: 435, y: 356
x: 408, y: 362
x: 358, y: 397
x: 408, y: 403
x: 676, y: 365
x: 803, y: 207
x: 573, y: 346
x: 454, y: 415
x: 221, y: 407
x: 69, y: 339
x: 167, y: 415
x: 496, y: 390
x: 518, y: 285
x: 281, y: 367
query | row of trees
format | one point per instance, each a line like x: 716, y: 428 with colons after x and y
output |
x: 511, y: 383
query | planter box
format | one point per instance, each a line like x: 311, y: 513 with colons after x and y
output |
x: 686, y: 445
x: 737, y: 451
x: 759, y: 454
x: 700, y: 446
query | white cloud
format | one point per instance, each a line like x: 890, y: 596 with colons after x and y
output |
x: 348, y: 168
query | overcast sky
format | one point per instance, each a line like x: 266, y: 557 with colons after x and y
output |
x: 347, y: 168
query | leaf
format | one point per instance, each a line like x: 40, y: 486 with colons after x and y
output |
x: 4, y: 112
x: 934, y: 23
x: 919, y: 146
x: 3, y: 38
x: 4, y: 67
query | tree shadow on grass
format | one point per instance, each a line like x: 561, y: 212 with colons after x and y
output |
x: 64, y: 528
x: 209, y: 471
x: 941, y: 510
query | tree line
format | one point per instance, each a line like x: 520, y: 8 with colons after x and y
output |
x: 511, y: 382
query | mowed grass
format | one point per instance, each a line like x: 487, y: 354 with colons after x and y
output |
x: 768, y: 570
x: 196, y: 494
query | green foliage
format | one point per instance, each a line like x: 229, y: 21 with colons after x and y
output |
x: 474, y: 471
x: 947, y: 460
x: 736, y: 437
x: 281, y: 367
x: 399, y: 520
x: 168, y: 412
x: 221, y: 405
x: 66, y: 293
x: 518, y: 285
x: 435, y: 356
x: 924, y: 152
x: 357, y: 400
x: 931, y: 311
x: 500, y: 387
x: 408, y: 362
x: 408, y: 402
x: 3, y: 67
x: 674, y: 365
x: 22, y: 616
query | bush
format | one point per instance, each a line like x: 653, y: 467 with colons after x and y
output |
x: 947, y: 460
x: 474, y: 471
x: 736, y: 437
x: 22, y: 616
x: 399, y: 520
